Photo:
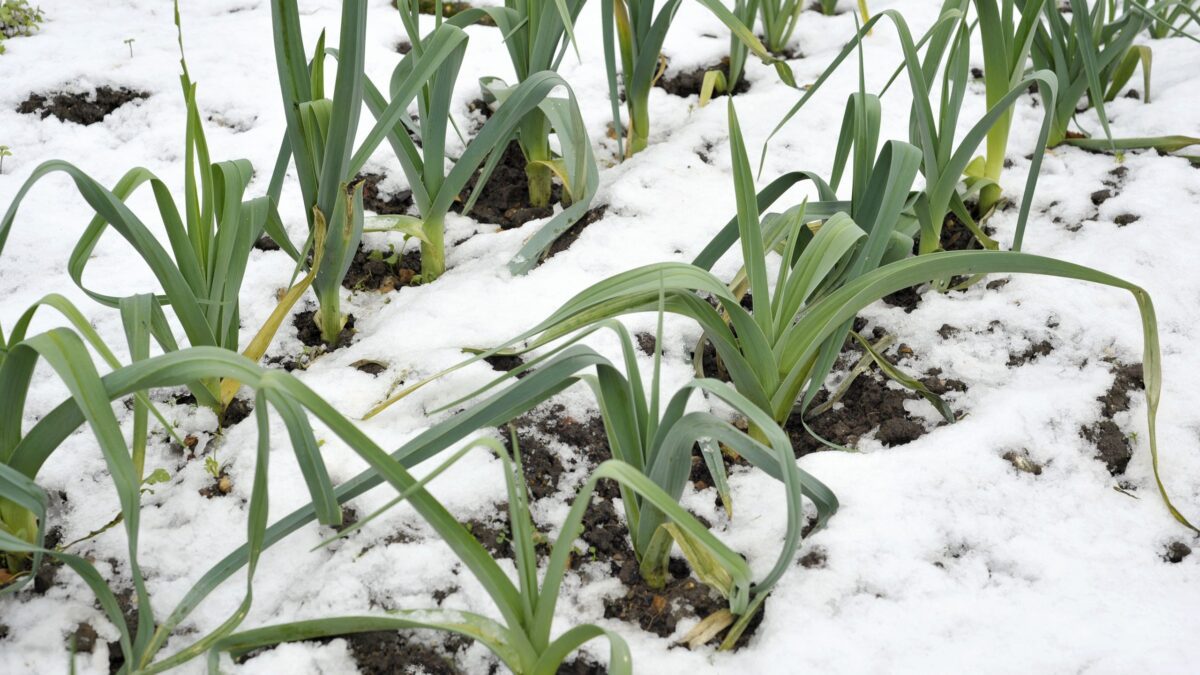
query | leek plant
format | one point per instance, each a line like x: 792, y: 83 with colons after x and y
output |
x: 829, y: 7
x: 429, y: 73
x: 318, y: 142
x: 777, y: 355
x: 1169, y: 17
x: 657, y: 440
x: 638, y: 38
x: 522, y: 640
x: 22, y: 454
x: 718, y: 82
x: 210, y: 241
x: 536, y: 35
x: 941, y: 160
x: 1094, y: 56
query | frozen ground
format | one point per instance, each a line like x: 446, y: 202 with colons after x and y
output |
x: 943, y: 557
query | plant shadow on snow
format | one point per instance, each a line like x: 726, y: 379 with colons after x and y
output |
x: 81, y: 108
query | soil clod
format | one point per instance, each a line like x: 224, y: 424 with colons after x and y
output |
x: 81, y: 108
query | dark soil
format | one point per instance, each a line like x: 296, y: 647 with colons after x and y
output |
x: 504, y: 200
x: 1126, y: 219
x: 383, y: 204
x: 1112, y: 444
x: 868, y: 405
x: 955, y: 237
x: 80, y: 108
x: 266, y: 243
x: 495, y: 534
x: 646, y: 342
x: 391, y: 652
x: 581, y: 665
x: 505, y: 363
x: 542, y: 465
x: 1176, y: 551
x: 44, y: 578
x: 1031, y: 353
x: 310, y: 335
x: 566, y: 239
x: 689, y: 83
x: 659, y: 610
x: 237, y: 410
x: 381, y: 271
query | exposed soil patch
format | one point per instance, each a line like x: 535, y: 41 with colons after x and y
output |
x: 266, y: 243
x: 955, y: 237
x: 659, y: 610
x: 542, y: 464
x: 381, y: 271
x: 1126, y: 219
x: 383, y: 204
x: 390, y: 652
x: 80, y: 108
x: 1031, y: 353
x: 566, y: 239
x: 1176, y: 551
x: 505, y: 363
x: 581, y: 665
x: 1112, y: 445
x: 690, y: 82
x: 504, y: 200
x: 869, y: 404
x: 310, y: 334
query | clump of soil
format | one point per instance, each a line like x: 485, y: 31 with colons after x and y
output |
x: 310, y: 335
x: 504, y: 200
x: 506, y: 362
x: 1176, y: 551
x: 81, y: 108
x: 266, y: 243
x: 237, y: 410
x: 382, y: 271
x: 1031, y: 353
x: 1112, y: 445
x: 1126, y: 219
x: 690, y: 82
x: 397, y: 204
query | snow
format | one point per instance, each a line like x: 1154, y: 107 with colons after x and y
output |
x: 943, y: 556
